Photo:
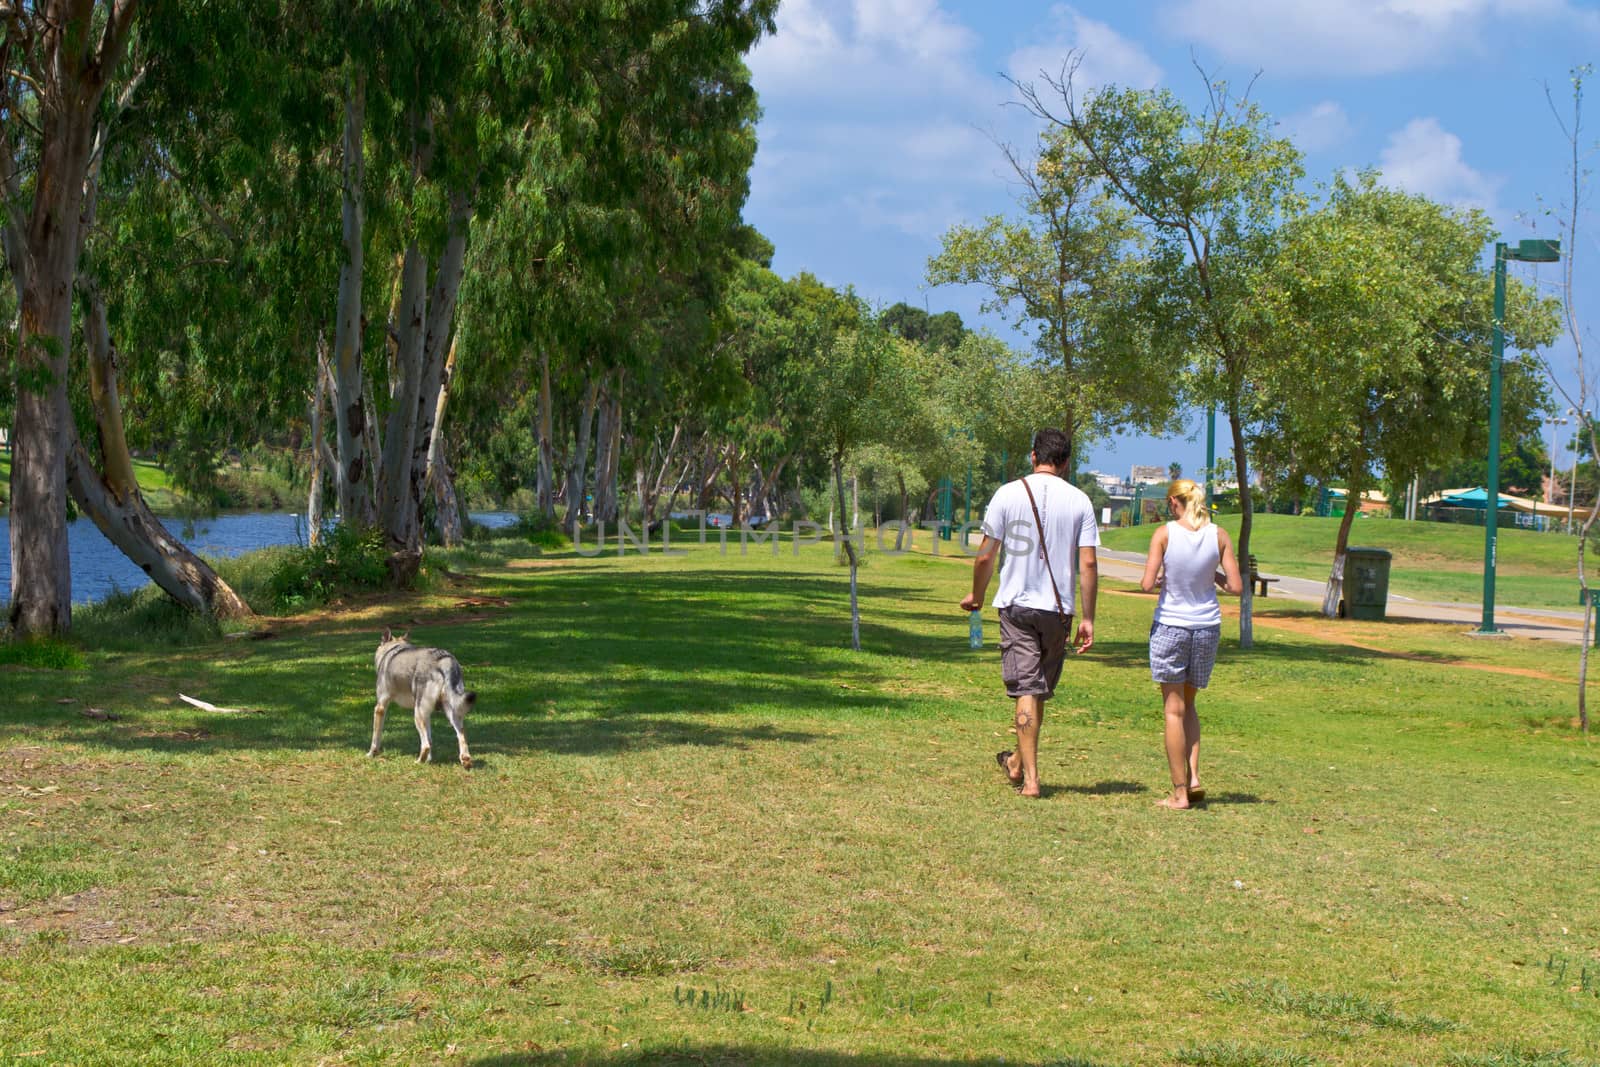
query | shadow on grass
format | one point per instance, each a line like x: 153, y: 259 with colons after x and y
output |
x: 1103, y: 789
x: 590, y: 661
x: 761, y: 1057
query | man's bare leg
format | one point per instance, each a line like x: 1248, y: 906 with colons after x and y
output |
x: 1177, y: 743
x: 1191, y: 734
x: 1030, y: 712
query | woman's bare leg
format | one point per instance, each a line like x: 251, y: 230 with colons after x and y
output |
x: 1191, y: 733
x: 1175, y: 709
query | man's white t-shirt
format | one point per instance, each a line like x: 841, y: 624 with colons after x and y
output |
x: 1068, y: 519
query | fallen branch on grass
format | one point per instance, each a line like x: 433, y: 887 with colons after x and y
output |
x: 204, y: 706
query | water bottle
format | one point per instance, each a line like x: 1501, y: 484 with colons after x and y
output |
x: 975, y: 629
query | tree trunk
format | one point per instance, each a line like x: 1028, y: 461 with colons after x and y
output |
x: 905, y: 513
x: 710, y: 467
x: 613, y: 467
x: 1335, y: 590
x: 318, y: 393
x: 351, y: 402
x: 736, y: 484
x: 44, y: 250
x: 41, y: 576
x: 547, y: 459
x: 439, y: 477
x: 398, y: 512
x: 444, y: 494
x: 577, y: 476
x: 438, y: 361
x: 602, y: 451
x: 849, y: 550
x: 650, y: 489
x: 1241, y: 469
x: 112, y: 500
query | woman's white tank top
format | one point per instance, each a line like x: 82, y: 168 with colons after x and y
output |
x: 1189, y: 592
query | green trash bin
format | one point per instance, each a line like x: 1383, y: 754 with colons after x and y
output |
x: 1366, y: 582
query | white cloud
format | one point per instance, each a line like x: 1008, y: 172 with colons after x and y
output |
x: 1354, y: 36
x: 1105, y: 56
x: 872, y: 115
x: 1424, y: 157
x: 1318, y: 128
x: 864, y: 52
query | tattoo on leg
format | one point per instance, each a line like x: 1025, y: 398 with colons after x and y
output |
x: 1023, y: 720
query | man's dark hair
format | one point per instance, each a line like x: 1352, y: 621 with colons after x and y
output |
x: 1052, y: 447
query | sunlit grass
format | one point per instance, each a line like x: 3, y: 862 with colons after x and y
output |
x: 702, y: 830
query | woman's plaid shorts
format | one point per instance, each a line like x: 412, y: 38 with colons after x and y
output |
x: 1180, y: 655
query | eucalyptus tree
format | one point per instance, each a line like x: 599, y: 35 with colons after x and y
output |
x: 1210, y: 190
x: 58, y: 58
x: 1064, y: 271
x: 197, y: 356
x: 1378, y: 307
x: 605, y: 268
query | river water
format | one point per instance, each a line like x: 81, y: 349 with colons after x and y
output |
x: 98, y: 568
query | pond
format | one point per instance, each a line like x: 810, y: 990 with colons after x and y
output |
x: 98, y: 568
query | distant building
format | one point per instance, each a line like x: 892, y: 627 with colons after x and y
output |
x: 1111, y: 483
x: 1142, y: 475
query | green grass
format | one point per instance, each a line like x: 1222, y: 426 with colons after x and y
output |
x: 701, y: 830
x: 1432, y: 560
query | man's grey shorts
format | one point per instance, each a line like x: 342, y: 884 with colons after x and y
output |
x: 1180, y: 655
x: 1033, y: 645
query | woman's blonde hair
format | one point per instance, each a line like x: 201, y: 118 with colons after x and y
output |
x: 1193, y: 498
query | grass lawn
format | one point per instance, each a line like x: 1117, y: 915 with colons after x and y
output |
x: 1432, y: 560
x: 701, y: 830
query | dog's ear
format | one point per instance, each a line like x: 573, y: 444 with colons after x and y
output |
x: 388, y: 635
x: 406, y: 636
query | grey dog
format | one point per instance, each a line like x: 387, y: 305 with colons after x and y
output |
x: 423, y: 679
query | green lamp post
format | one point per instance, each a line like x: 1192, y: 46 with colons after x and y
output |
x: 1533, y: 250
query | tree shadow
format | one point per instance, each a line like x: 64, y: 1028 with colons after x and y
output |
x: 732, y: 1055
x: 581, y: 662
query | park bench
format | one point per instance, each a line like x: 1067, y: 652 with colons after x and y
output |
x: 1257, y: 579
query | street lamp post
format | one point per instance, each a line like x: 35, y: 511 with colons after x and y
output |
x: 1533, y: 250
x: 1211, y: 449
x: 1550, y: 486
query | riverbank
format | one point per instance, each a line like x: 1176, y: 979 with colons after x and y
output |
x: 241, y: 486
x: 699, y: 828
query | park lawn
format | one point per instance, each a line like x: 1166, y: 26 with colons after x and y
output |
x: 702, y: 830
x: 153, y: 481
x: 1433, y: 561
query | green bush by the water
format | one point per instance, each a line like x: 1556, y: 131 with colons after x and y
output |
x: 344, y: 560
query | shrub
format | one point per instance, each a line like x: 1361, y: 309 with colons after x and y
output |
x: 541, y: 532
x: 345, y: 560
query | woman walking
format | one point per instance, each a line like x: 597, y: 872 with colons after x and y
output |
x: 1182, y: 563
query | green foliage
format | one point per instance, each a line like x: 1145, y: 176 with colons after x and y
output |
x: 1376, y: 321
x: 1068, y: 271
x: 542, y: 532
x: 347, y: 559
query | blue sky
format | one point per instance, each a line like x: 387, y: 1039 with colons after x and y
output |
x: 880, y: 118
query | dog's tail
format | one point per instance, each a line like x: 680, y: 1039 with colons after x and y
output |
x: 470, y: 698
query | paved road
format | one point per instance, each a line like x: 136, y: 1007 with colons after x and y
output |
x: 1519, y: 622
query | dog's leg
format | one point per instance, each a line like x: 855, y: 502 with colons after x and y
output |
x: 377, y: 726
x: 458, y: 719
x: 424, y: 717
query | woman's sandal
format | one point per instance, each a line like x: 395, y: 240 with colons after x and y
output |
x: 1004, y: 760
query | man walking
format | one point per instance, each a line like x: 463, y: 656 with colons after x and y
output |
x: 1044, y: 524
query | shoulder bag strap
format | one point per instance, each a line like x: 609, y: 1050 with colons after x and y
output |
x: 1045, y: 549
